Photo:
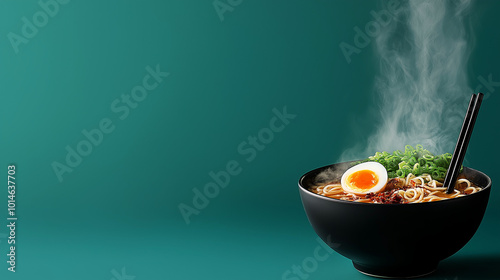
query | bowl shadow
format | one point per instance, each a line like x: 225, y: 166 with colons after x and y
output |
x: 468, y: 267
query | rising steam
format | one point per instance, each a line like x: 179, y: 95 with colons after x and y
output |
x: 422, y: 84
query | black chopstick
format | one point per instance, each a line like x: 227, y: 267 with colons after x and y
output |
x: 463, y: 142
x: 451, y: 174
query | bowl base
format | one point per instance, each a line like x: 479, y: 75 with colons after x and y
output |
x: 396, y: 272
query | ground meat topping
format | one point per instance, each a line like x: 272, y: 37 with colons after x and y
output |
x: 387, y: 197
x: 394, y: 184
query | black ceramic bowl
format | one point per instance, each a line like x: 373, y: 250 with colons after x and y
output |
x: 395, y: 240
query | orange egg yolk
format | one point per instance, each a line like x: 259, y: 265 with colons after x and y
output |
x: 363, y: 179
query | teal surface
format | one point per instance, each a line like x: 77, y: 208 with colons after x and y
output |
x: 118, y: 113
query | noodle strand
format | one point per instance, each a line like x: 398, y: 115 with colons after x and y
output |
x: 415, y: 190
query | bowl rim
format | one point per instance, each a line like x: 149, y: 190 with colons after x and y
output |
x: 316, y: 170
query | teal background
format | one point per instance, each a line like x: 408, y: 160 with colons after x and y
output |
x: 119, y: 207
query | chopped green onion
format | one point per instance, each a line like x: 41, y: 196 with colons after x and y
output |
x: 416, y: 160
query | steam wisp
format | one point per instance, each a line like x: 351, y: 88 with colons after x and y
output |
x: 422, y: 84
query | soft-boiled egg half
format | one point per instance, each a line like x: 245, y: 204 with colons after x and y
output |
x: 368, y: 177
